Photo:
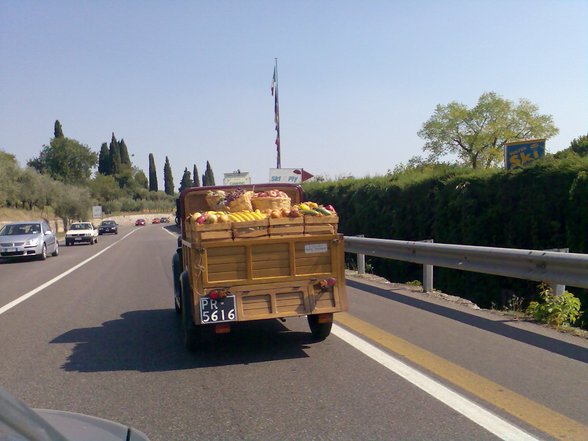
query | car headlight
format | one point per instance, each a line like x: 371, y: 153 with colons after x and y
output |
x: 32, y: 242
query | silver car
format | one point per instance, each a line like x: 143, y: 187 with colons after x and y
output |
x: 30, y: 238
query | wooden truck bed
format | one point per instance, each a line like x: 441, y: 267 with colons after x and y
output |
x: 270, y: 277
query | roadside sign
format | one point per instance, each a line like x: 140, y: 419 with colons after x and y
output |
x: 289, y: 175
x: 97, y: 211
x: 519, y: 153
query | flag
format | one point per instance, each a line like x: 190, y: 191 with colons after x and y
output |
x: 276, y: 112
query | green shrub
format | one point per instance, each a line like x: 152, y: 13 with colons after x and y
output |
x: 557, y: 310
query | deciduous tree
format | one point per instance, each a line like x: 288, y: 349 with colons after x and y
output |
x: 66, y: 160
x: 478, y: 135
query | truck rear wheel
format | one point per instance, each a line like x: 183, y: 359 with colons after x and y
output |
x: 192, y: 333
x: 320, y: 325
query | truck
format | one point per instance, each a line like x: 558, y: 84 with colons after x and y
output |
x: 226, y: 273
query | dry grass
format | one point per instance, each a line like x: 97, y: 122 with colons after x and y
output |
x: 12, y: 214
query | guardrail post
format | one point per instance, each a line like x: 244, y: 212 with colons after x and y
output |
x: 428, y: 273
x: 556, y: 288
x: 360, y: 260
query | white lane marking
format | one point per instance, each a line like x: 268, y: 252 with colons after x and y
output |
x: 59, y: 277
x: 167, y: 231
x: 492, y: 423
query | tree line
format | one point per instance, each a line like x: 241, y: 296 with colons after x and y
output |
x: 61, y: 177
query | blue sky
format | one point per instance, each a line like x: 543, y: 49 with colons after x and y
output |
x: 191, y: 79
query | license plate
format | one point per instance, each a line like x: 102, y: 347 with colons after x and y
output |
x: 78, y: 238
x: 217, y: 311
x: 11, y: 250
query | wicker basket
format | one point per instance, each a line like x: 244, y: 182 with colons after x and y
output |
x: 215, y: 201
x: 269, y: 203
x: 242, y: 203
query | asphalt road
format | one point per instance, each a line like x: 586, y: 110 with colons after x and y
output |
x: 104, y: 340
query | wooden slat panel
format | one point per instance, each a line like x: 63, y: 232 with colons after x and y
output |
x: 313, y: 269
x: 271, y: 272
x: 325, y: 300
x: 227, y: 276
x: 270, y: 248
x: 269, y: 257
x: 277, y: 263
x: 225, y: 251
x: 226, y: 260
x: 313, y: 260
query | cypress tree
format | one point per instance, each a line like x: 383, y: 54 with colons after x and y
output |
x: 124, y: 153
x: 104, y: 160
x: 209, y: 175
x: 186, y: 181
x: 152, y: 174
x: 114, y: 156
x: 57, y: 130
x: 168, y: 179
x: 196, y: 177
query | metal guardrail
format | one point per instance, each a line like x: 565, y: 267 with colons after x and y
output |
x: 555, y: 268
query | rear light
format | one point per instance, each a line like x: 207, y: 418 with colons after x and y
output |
x: 222, y: 328
x: 217, y: 294
x: 325, y: 318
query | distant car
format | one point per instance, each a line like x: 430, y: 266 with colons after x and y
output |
x: 155, y: 220
x: 139, y: 222
x: 32, y: 238
x: 164, y: 220
x: 108, y: 226
x: 80, y: 232
x: 19, y: 422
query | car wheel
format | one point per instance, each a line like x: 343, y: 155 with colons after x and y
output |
x: 43, y: 254
x: 55, y: 252
x: 320, y: 331
x: 193, y: 334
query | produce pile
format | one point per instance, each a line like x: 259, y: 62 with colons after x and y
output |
x: 239, y: 206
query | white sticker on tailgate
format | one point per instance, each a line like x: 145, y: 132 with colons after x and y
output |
x: 312, y: 248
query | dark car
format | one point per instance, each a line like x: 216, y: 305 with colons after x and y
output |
x: 108, y: 226
x: 139, y: 222
x: 164, y: 220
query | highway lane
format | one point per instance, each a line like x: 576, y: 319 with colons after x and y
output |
x: 104, y: 340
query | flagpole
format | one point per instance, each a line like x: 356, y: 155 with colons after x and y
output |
x: 277, y: 114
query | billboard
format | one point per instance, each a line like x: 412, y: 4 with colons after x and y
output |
x: 242, y: 178
x: 519, y: 153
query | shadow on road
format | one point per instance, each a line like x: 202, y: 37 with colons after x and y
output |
x: 498, y: 327
x: 151, y: 341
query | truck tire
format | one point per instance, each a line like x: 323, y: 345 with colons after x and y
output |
x: 177, y: 270
x: 192, y: 333
x: 320, y: 331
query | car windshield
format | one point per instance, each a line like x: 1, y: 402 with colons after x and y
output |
x: 80, y: 227
x: 108, y: 223
x: 17, y: 229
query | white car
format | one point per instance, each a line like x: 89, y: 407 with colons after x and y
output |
x: 80, y: 232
